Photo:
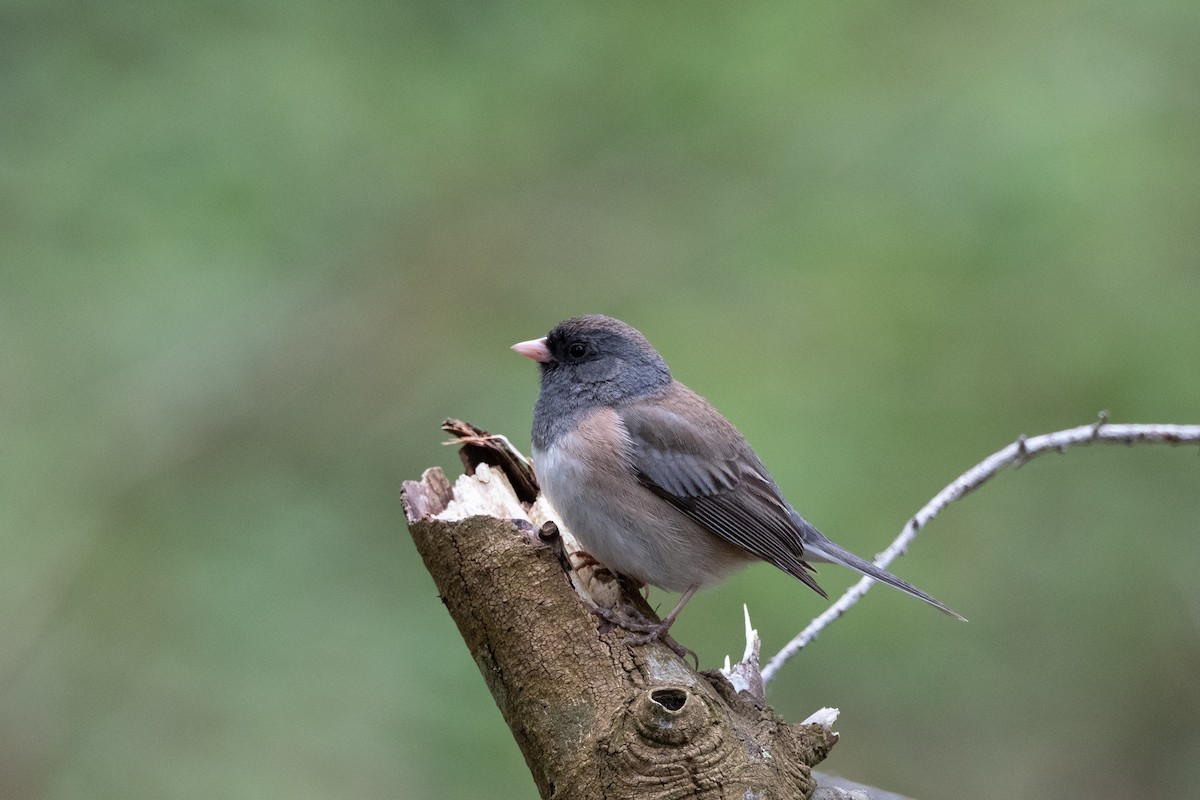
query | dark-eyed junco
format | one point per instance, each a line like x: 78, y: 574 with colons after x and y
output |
x: 651, y: 479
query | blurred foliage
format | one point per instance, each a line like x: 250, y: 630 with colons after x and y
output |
x: 252, y: 253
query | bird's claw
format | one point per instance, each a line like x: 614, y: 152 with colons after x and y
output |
x: 634, y: 621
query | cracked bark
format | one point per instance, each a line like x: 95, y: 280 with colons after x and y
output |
x: 594, y: 717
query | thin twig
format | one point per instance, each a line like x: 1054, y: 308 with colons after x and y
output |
x: 1017, y: 454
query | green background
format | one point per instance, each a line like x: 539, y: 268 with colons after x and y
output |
x: 253, y: 253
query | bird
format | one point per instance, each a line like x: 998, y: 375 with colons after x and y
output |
x: 653, y: 481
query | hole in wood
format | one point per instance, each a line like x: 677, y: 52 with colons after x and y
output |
x: 670, y: 699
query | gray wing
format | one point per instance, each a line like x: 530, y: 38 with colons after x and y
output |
x: 708, y: 471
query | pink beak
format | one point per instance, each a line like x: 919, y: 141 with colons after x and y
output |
x: 535, y: 349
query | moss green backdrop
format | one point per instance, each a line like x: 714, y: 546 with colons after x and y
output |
x: 252, y: 254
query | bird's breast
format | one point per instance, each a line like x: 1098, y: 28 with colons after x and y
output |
x: 589, y: 477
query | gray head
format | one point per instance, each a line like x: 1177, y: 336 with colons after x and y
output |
x: 587, y: 362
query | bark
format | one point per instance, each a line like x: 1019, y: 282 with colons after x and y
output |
x: 593, y: 716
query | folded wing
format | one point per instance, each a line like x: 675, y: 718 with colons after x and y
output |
x: 713, y: 477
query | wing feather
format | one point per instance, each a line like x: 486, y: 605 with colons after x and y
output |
x: 713, y: 476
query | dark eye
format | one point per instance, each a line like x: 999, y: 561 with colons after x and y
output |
x: 577, y: 350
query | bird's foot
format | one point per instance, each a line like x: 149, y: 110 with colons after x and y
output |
x: 634, y: 621
x: 659, y: 632
x: 582, y: 559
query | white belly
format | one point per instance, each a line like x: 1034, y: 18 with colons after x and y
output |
x: 621, y: 523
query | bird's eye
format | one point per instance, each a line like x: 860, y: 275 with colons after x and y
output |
x: 577, y: 350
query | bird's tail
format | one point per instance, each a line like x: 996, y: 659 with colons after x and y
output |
x: 820, y: 548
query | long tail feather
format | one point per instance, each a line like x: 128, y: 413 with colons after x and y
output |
x: 822, y: 548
